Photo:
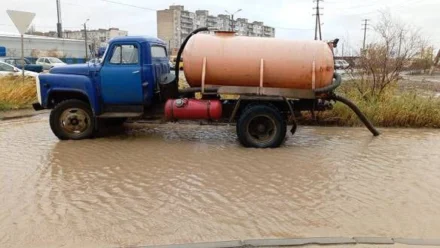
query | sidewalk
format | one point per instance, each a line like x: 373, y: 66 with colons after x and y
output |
x: 20, y: 113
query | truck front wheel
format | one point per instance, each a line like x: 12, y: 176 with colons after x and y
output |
x: 261, y: 126
x: 72, y: 119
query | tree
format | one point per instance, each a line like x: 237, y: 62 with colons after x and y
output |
x: 394, y: 48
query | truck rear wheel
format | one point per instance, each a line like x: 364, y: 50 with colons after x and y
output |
x: 261, y: 126
x: 72, y: 119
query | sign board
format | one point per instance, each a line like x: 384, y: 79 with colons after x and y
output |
x: 21, y: 19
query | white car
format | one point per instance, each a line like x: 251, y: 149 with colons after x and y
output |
x: 341, y: 64
x: 7, y: 69
x: 49, y: 62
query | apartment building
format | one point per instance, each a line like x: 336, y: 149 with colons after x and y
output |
x: 175, y: 23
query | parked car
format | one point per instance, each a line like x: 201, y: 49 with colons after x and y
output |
x: 49, y: 62
x: 341, y: 64
x: 28, y: 66
x: 7, y: 69
x: 94, y: 61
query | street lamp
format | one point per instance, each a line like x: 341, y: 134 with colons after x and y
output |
x: 85, y: 36
x: 232, y: 18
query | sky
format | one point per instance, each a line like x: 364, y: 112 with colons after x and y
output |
x: 292, y: 19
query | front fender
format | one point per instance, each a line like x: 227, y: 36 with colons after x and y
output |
x: 52, y: 83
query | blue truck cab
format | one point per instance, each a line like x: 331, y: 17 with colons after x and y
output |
x: 124, y: 84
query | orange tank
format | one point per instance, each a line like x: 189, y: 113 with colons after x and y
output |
x: 255, y: 61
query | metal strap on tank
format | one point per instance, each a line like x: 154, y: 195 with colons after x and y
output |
x: 172, y: 108
x: 313, y: 74
x: 203, y: 75
x: 209, y: 109
x: 260, y: 90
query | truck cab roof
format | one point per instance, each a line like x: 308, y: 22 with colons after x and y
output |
x: 139, y: 39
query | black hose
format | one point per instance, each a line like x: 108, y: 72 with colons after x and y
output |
x: 358, y: 112
x: 335, y: 84
x: 182, y: 47
x: 198, y: 89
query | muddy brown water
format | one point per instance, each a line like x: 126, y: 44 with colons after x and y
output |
x: 165, y: 184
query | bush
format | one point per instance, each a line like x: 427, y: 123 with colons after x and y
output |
x: 15, y: 94
x: 390, y: 109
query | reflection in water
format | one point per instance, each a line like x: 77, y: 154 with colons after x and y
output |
x: 161, y: 184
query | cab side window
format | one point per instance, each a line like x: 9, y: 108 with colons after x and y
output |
x: 158, y: 52
x: 125, y: 54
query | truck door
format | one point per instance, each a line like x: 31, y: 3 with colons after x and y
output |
x: 121, y: 75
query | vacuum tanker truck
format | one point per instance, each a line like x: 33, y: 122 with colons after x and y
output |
x: 266, y: 82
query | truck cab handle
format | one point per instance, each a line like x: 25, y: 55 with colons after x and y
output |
x: 135, y: 72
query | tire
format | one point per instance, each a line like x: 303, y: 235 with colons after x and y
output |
x: 72, y: 119
x: 261, y: 126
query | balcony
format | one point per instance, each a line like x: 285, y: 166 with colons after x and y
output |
x: 187, y: 26
x: 186, y: 20
x: 184, y: 14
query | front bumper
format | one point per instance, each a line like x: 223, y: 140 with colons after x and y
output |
x: 37, y: 106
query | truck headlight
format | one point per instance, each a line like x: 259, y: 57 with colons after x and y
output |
x: 37, y: 84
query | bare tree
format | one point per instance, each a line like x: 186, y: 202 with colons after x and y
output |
x: 382, y: 62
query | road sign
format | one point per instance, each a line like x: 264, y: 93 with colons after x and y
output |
x: 21, y: 19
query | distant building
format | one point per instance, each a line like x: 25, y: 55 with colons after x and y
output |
x: 99, y: 35
x: 174, y: 25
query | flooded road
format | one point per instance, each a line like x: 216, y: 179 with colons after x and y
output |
x: 163, y: 184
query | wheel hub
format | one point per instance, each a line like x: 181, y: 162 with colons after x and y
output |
x: 262, y: 128
x: 74, y: 120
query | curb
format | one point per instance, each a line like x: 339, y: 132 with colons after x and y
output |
x: 302, y: 242
x: 19, y: 116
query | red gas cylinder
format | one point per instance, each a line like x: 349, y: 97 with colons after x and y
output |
x: 193, y: 109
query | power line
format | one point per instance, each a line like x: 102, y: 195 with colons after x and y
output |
x: 151, y: 9
x: 396, y: 5
x: 299, y: 29
x: 129, y: 5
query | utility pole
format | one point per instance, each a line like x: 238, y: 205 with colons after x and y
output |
x: 318, y: 20
x: 85, y: 37
x: 59, y: 27
x: 365, y: 32
x: 232, y: 26
x: 400, y: 43
x: 342, y: 49
x: 232, y: 23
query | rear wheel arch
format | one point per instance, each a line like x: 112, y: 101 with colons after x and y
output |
x: 281, y: 106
